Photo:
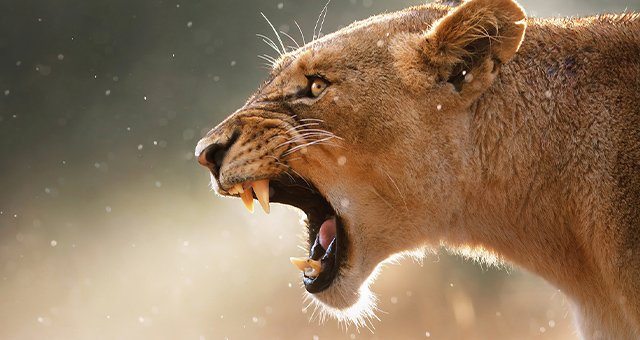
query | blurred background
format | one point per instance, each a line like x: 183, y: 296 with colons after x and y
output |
x: 108, y: 227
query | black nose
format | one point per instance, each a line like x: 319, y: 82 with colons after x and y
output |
x: 212, y: 155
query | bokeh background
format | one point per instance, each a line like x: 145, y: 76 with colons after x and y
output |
x: 108, y: 228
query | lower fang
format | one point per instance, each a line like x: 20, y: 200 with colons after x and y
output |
x: 311, y: 272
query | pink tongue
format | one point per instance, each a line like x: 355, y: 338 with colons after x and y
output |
x: 327, y: 232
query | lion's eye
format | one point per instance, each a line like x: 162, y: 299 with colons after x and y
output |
x: 317, y: 86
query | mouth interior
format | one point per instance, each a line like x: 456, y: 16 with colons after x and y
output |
x: 327, y: 242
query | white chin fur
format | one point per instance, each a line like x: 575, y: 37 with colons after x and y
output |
x: 348, y: 300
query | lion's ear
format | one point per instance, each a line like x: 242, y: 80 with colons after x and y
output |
x: 474, y: 38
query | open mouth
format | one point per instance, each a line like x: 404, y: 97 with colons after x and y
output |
x: 327, y: 239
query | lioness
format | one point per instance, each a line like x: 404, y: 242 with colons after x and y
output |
x: 470, y: 127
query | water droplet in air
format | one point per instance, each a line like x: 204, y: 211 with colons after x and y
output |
x: 189, y: 24
x: 53, y: 243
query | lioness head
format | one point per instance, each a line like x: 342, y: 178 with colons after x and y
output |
x: 366, y: 131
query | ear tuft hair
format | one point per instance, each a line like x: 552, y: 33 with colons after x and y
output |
x: 476, y: 30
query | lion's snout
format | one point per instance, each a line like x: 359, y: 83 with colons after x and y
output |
x: 213, y: 147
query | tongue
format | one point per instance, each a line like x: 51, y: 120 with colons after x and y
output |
x: 327, y: 232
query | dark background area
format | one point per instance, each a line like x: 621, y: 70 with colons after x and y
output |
x: 108, y: 229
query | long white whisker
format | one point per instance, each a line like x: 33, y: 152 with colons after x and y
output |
x: 323, y: 17
x: 290, y: 37
x: 270, y: 43
x: 301, y: 34
x: 276, y: 32
x: 312, y: 120
x: 307, y: 144
x: 300, y: 126
x: 268, y: 59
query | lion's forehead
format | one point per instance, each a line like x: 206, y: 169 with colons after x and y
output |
x: 361, y: 35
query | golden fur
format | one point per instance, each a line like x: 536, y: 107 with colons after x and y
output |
x: 458, y: 126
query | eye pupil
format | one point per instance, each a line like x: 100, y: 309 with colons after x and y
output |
x: 317, y: 86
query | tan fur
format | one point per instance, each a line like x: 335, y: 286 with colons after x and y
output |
x: 435, y: 129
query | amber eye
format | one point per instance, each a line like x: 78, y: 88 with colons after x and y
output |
x: 317, y: 86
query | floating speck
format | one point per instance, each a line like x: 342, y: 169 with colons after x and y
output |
x: 60, y: 56
x: 280, y: 5
x: 6, y: 92
x: 40, y: 319
x: 189, y: 24
x: 394, y: 300
x: 107, y: 92
x: 145, y: 97
x: 439, y: 107
x: 188, y: 134
x: 18, y: 63
x: 54, y: 243
x: 108, y: 209
x: 342, y: 160
x: 158, y: 184
x: 233, y: 63
x: 427, y: 334
x: 140, y: 146
x: 141, y: 319
x: 115, y: 78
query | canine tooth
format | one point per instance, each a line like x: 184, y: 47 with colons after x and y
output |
x: 300, y: 263
x: 315, y: 264
x: 247, y: 199
x: 262, y: 193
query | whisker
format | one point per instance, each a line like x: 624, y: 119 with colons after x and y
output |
x: 270, y: 43
x: 301, y: 34
x: 276, y: 32
x: 323, y: 17
x: 300, y: 126
x: 306, y: 145
x: 290, y: 37
x: 269, y: 60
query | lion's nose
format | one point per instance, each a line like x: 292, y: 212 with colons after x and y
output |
x: 211, y: 152
x: 211, y: 156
